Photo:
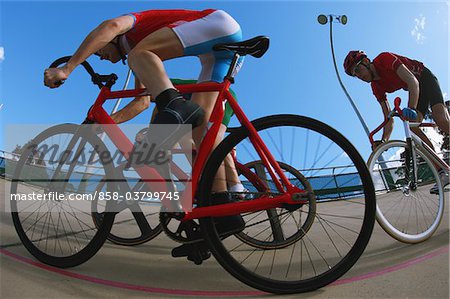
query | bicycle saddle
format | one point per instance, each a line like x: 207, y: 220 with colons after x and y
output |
x: 255, y: 47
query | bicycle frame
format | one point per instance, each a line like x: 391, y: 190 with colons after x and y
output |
x: 425, y: 147
x: 410, y: 136
x: 99, y: 115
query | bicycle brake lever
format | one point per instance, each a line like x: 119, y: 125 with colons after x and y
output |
x: 397, y: 103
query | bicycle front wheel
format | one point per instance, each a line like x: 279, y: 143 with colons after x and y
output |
x: 134, y: 225
x: 343, y: 217
x: 55, y: 224
x: 408, y: 212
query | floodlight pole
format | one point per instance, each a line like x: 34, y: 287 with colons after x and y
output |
x: 322, y: 19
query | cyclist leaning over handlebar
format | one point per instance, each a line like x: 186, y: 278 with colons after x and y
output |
x: 389, y: 72
x: 147, y: 39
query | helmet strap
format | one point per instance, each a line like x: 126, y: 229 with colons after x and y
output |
x: 367, y: 65
x: 119, y: 49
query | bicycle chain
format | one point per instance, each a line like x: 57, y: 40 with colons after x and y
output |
x: 189, y: 227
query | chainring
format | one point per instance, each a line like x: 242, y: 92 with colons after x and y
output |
x: 187, y: 232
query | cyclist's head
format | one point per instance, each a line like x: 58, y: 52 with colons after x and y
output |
x: 356, y: 64
x: 352, y: 60
x: 112, y: 52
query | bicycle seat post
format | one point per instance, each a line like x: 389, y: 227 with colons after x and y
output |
x: 233, y: 65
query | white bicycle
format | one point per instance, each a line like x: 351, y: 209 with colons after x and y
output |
x: 410, y: 194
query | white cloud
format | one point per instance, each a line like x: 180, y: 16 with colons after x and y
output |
x: 435, y: 137
x: 2, y: 54
x: 418, y: 31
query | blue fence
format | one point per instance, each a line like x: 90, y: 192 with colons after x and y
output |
x: 326, y: 187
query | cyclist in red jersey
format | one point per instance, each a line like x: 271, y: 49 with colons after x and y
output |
x: 389, y: 72
x: 147, y: 39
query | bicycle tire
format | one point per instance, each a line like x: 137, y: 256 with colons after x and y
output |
x: 75, y: 256
x: 396, y: 201
x: 280, y: 239
x: 232, y: 258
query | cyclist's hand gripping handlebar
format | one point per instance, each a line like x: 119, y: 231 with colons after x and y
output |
x: 55, y: 64
x: 405, y: 113
x: 96, y: 78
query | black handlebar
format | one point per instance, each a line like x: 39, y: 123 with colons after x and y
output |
x: 96, y: 78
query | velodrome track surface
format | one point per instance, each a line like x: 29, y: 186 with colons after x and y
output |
x: 387, y: 269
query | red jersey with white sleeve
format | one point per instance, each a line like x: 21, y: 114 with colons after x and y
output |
x: 198, y: 32
x: 149, y: 21
x: 386, y: 65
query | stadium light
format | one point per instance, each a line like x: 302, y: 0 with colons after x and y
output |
x: 323, y: 19
x: 342, y: 19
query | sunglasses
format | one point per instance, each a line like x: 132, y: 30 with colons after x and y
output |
x: 356, y: 70
x: 123, y: 57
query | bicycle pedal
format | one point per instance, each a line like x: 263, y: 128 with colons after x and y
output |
x: 199, y: 256
x: 196, y: 253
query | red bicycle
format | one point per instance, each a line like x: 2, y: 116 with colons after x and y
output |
x: 62, y: 234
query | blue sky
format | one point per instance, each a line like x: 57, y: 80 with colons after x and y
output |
x: 295, y: 76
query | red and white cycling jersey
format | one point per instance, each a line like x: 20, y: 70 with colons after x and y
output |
x: 150, y: 21
x: 198, y: 32
x: 386, y: 65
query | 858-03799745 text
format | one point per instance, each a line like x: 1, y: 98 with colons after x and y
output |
x: 136, y: 196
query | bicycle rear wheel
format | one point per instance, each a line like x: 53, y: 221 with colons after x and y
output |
x: 58, y: 229
x: 410, y: 214
x: 344, y: 217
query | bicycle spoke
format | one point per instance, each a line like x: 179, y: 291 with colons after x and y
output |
x: 297, y: 244
x: 411, y: 214
x: 56, y: 228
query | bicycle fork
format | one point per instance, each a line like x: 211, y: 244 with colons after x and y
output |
x: 65, y: 159
x: 410, y: 158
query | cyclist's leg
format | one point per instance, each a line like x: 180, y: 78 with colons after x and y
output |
x: 219, y: 27
x: 422, y: 105
x: 145, y: 59
x: 419, y: 131
x: 430, y: 95
x: 233, y: 182
x: 441, y: 117
x: 220, y: 184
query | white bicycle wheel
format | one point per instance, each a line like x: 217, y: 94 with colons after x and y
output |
x: 410, y: 214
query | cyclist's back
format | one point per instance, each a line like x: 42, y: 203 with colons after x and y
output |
x: 386, y: 65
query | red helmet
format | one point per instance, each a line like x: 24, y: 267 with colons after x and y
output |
x: 353, y: 57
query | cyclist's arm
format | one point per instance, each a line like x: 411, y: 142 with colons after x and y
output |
x: 387, y: 130
x: 98, y: 38
x: 133, y: 108
x: 413, y: 85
